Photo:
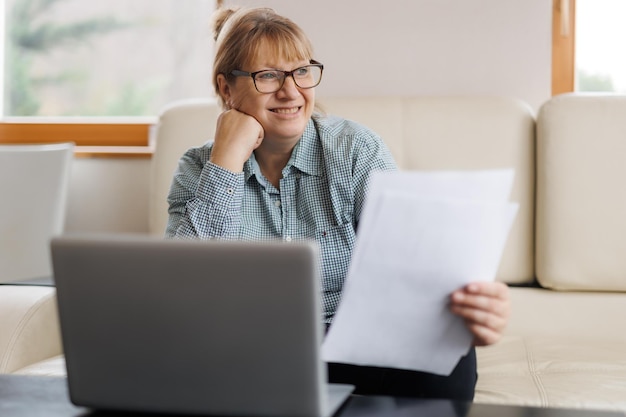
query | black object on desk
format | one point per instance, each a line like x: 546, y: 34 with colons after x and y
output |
x: 46, y: 281
x: 32, y: 396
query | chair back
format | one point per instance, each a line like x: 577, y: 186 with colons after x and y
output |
x: 34, y: 181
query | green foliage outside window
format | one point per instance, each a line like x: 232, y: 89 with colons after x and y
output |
x: 595, y: 82
x: 30, y: 35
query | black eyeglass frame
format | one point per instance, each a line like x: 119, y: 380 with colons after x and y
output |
x: 313, y: 63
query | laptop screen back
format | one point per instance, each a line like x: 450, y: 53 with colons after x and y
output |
x: 191, y: 327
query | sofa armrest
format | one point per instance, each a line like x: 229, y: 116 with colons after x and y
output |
x: 29, y: 326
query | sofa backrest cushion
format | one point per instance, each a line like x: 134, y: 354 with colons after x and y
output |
x: 581, y: 196
x: 461, y: 133
x: 182, y: 125
x: 423, y: 133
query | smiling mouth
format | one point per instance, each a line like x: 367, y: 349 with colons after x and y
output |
x: 290, y: 110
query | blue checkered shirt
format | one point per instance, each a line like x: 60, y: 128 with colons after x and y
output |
x: 321, y: 196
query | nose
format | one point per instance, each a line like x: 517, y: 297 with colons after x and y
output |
x: 289, y: 88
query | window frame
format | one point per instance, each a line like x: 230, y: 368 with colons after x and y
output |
x: 563, y: 46
x: 131, y: 138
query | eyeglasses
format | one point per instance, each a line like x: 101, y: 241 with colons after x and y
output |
x: 270, y: 81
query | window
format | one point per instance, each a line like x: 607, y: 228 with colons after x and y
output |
x: 109, y: 58
x: 165, y: 55
x: 586, y: 42
x: 600, y: 34
x: 86, y: 60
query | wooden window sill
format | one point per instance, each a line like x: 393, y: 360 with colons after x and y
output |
x: 139, y: 152
x: 94, y: 138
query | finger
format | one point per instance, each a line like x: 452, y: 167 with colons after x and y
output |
x: 487, y: 304
x: 254, y: 122
x: 495, y: 289
x: 484, y: 336
x: 483, y: 318
x: 259, y: 140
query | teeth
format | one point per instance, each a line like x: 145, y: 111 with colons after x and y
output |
x: 286, y: 111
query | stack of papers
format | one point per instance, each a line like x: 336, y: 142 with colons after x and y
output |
x: 422, y: 235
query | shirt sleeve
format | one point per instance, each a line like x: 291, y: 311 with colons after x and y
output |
x: 204, y: 199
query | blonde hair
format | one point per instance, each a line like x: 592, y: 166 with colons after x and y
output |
x: 238, y: 33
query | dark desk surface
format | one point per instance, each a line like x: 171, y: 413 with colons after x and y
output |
x: 30, y: 396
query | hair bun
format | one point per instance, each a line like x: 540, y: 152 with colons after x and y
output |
x: 220, y: 17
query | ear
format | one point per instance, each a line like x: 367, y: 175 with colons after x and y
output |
x: 224, y: 89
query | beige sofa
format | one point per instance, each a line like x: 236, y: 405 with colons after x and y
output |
x: 565, y: 258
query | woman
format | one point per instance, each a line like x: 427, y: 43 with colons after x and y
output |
x: 278, y: 169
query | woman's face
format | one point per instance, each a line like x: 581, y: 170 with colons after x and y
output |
x: 283, y: 114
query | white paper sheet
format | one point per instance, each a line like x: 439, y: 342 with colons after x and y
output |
x: 422, y: 235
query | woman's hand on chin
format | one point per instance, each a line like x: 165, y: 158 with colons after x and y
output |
x: 237, y: 135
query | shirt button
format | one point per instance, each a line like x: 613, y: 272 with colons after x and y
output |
x: 277, y: 203
x: 288, y: 238
x: 230, y: 190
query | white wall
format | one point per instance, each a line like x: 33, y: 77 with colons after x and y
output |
x: 369, y: 48
x: 428, y: 47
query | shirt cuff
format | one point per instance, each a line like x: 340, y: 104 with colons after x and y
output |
x: 220, y: 186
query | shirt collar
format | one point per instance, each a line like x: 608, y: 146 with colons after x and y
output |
x: 306, y: 155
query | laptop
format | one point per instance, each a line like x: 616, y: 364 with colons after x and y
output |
x: 225, y: 328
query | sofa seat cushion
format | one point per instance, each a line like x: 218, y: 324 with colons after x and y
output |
x: 567, y: 314
x: 555, y: 371
x: 29, y: 327
x: 54, y: 366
